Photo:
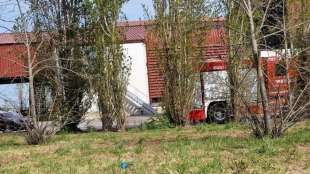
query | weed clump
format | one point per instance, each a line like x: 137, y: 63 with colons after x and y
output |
x: 158, y: 122
x: 38, y: 136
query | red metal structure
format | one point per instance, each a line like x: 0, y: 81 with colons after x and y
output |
x: 214, y: 52
x: 12, y: 60
x: 13, y: 50
x: 214, y: 59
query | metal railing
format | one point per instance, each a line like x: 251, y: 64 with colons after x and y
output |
x: 138, y: 101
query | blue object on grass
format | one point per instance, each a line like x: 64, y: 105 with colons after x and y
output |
x: 123, y: 165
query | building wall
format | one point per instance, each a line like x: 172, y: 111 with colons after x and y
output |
x: 156, y: 80
x: 138, y: 79
x: 9, y: 57
x: 12, y: 61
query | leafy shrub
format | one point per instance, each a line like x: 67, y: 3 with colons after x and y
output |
x: 157, y: 122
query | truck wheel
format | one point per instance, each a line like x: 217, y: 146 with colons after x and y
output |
x: 217, y: 113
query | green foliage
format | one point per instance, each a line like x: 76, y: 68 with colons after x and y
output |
x: 177, y: 32
x: 112, y: 66
x: 119, y: 148
x: 9, y: 143
x: 157, y: 122
x: 63, y: 151
x: 138, y: 149
x: 211, y: 167
x: 266, y: 149
x: 141, y: 141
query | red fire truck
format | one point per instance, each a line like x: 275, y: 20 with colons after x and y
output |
x: 213, y: 92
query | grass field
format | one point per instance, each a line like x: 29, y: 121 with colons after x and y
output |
x: 205, y: 148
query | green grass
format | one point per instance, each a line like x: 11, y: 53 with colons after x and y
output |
x: 201, y: 149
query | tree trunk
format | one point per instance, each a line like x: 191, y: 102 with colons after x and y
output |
x: 31, y: 91
x: 31, y: 83
x: 60, y: 86
x: 286, y: 57
x: 20, y: 98
x: 260, y: 73
x: 234, y: 97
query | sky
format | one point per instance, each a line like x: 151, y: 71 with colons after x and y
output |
x: 133, y: 10
x: 9, y: 95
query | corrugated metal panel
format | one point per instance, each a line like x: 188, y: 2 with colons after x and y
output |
x: 14, y: 38
x: 133, y: 31
x: 12, y: 61
x: 156, y: 81
x: 213, y: 48
x: 8, y: 38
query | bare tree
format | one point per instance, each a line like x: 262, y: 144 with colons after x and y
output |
x: 36, y: 132
x: 250, y: 11
x: 66, y: 24
x: 236, y: 40
x: 265, y: 27
x: 41, y: 66
x: 295, y: 65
